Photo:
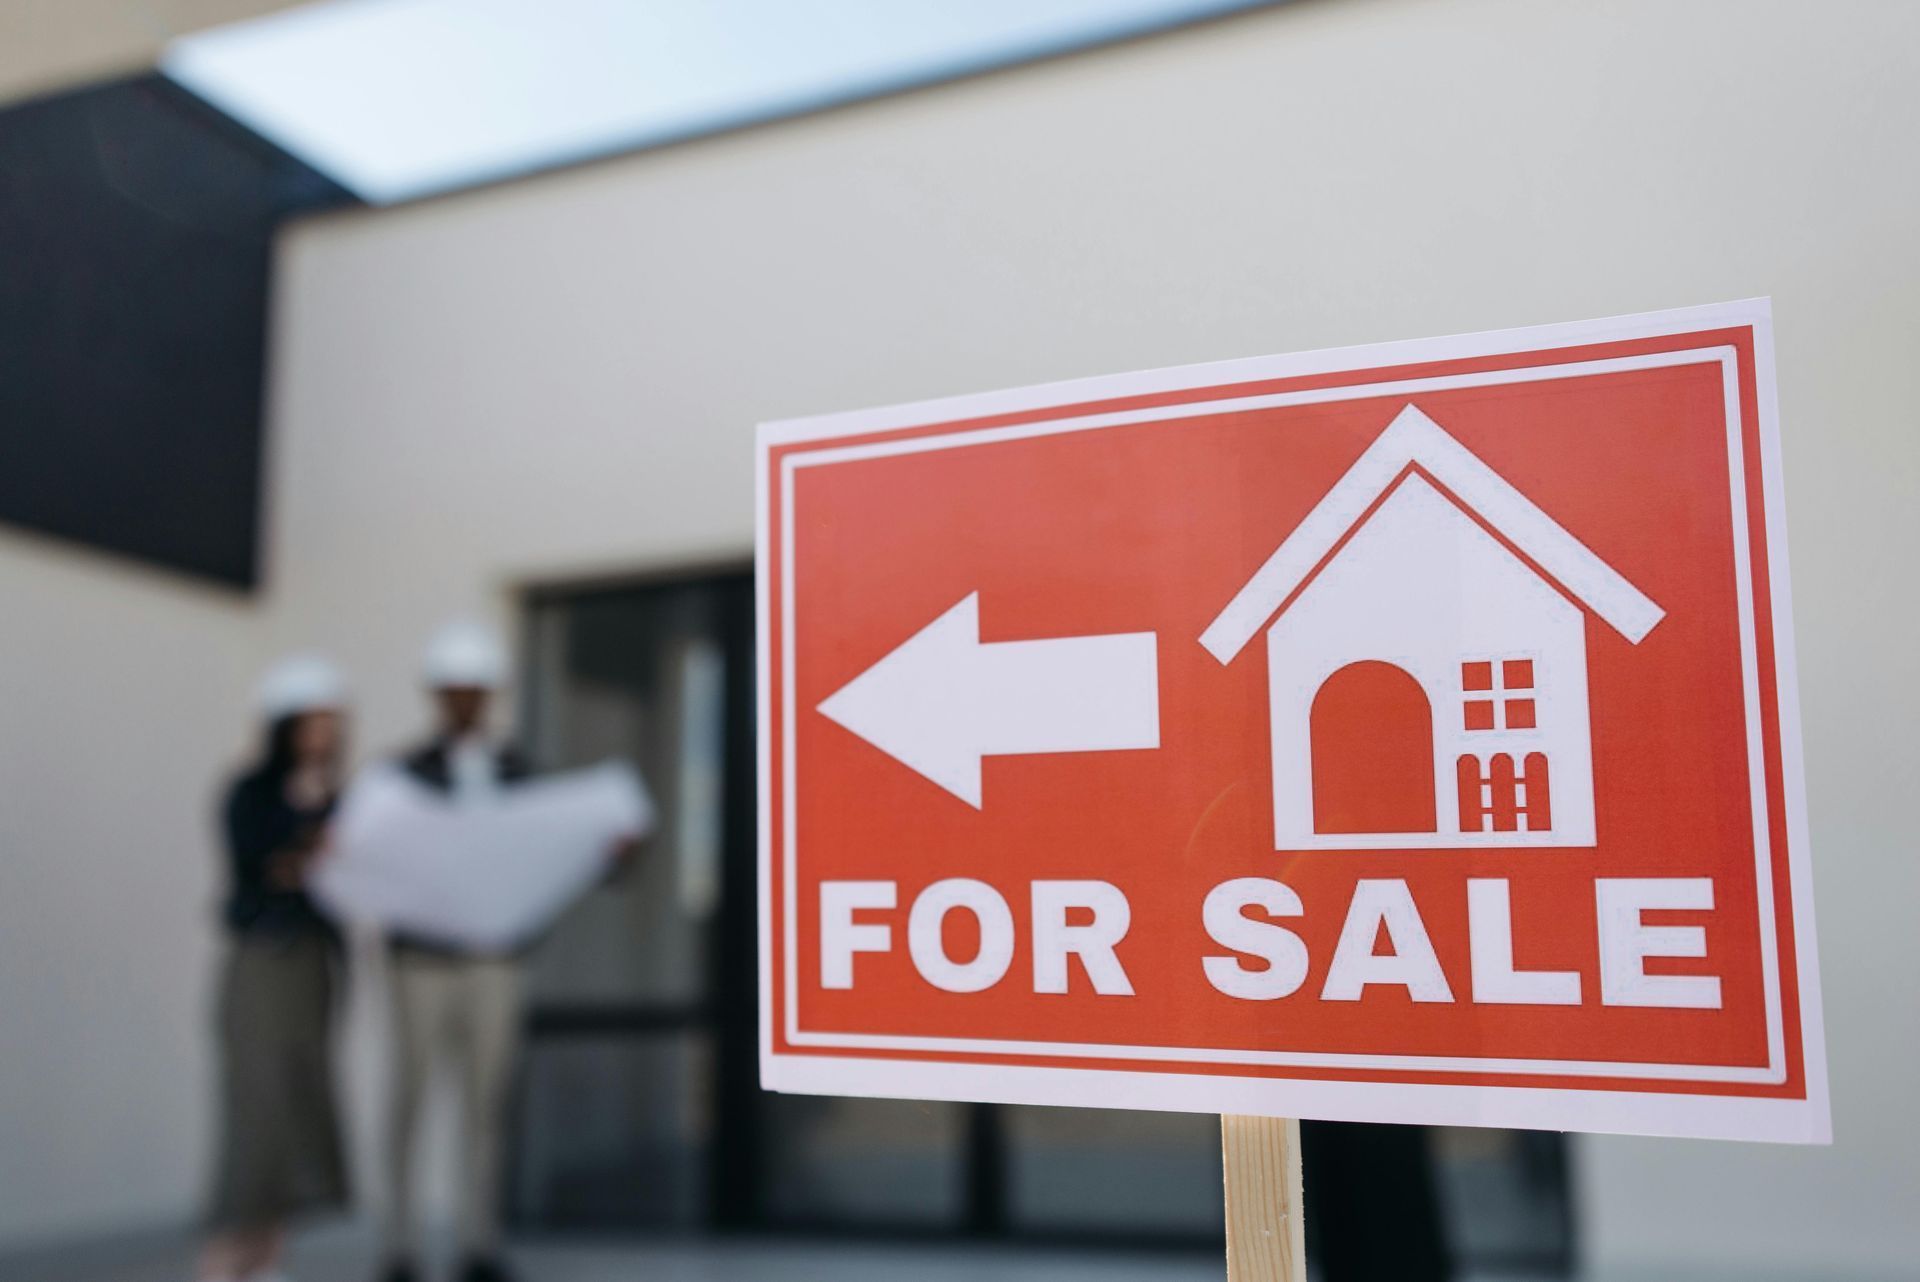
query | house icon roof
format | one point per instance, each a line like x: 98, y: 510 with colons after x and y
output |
x: 1414, y: 443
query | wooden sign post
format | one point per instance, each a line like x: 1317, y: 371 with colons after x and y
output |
x: 1266, y: 1225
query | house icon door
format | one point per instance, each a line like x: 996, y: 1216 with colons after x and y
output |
x: 1371, y: 730
x: 1426, y: 630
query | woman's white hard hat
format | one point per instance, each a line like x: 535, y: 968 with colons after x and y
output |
x: 301, y: 683
x: 465, y: 653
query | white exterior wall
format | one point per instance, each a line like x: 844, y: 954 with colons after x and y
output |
x: 561, y: 376
x: 123, y: 699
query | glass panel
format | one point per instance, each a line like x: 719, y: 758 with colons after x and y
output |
x: 361, y: 91
x: 615, y: 1131
x: 638, y: 676
x: 870, y: 1163
x: 1071, y: 1169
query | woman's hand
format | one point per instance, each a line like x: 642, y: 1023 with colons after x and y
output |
x: 289, y: 869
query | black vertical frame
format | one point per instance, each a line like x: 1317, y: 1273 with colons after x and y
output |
x: 737, y: 1200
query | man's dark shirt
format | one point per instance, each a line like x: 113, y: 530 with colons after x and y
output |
x: 432, y: 764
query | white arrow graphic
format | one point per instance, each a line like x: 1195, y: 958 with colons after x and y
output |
x: 941, y: 701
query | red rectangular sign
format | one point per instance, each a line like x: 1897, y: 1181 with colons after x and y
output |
x: 1403, y: 733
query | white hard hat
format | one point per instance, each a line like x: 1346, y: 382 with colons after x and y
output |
x: 465, y: 653
x: 300, y: 683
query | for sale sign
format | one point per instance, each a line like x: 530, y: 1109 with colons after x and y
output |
x: 1403, y: 733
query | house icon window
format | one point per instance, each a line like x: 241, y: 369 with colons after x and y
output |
x: 1494, y: 796
x: 1427, y: 656
x: 1498, y: 695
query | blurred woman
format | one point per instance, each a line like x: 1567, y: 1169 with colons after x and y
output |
x: 279, y: 1151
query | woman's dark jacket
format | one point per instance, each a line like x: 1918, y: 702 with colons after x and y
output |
x: 263, y: 828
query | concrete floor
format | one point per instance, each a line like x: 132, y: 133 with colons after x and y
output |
x: 343, y: 1255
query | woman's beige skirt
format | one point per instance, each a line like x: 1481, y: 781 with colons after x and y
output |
x: 280, y: 1153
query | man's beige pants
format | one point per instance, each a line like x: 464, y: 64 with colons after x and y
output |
x: 463, y: 1012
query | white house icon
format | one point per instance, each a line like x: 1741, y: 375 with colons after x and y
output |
x: 1427, y: 659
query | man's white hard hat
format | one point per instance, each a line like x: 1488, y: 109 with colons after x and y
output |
x: 465, y: 653
x: 301, y: 683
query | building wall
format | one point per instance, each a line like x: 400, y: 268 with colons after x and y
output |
x: 122, y: 699
x: 47, y: 45
x: 563, y: 375
x: 560, y: 377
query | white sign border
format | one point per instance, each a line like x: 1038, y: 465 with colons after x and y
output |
x: 1606, y: 1110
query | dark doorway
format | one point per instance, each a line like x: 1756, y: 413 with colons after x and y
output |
x: 636, y: 1101
x: 640, y: 1105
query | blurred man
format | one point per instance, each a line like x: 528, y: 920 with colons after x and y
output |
x: 453, y: 1005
